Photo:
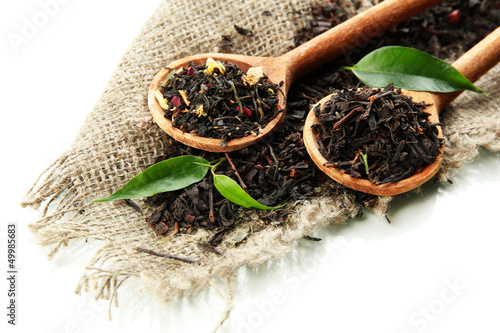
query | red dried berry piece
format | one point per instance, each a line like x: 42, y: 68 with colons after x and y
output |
x: 191, y: 71
x: 176, y: 101
x: 246, y: 111
x: 454, y: 16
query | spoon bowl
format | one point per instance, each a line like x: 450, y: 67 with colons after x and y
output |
x: 474, y: 64
x: 290, y: 66
x: 209, y: 144
x: 365, y: 185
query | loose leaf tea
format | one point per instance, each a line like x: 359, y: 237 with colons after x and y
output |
x: 410, y: 69
x: 178, y: 173
x: 375, y: 134
x: 170, y: 175
x: 218, y: 100
x: 243, y: 31
x: 232, y: 191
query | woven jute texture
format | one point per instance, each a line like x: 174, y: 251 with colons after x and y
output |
x: 119, y: 139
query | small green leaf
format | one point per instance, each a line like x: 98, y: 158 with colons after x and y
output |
x: 365, y: 160
x: 233, y: 192
x: 411, y: 69
x: 170, y: 175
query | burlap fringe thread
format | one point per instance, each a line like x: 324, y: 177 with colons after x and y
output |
x: 118, y: 140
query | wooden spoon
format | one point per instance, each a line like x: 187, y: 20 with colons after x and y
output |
x: 476, y: 62
x: 288, y: 67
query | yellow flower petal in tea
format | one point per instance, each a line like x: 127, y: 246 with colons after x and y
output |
x: 252, y: 76
x: 199, y: 110
x: 212, y: 64
x: 259, y: 108
x: 260, y: 112
x: 184, y: 97
x: 161, y: 100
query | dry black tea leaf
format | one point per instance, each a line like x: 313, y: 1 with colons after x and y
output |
x: 225, y: 44
x: 243, y: 31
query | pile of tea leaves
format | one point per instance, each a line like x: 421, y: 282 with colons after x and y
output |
x: 376, y: 134
x: 274, y: 171
x: 278, y: 169
x: 446, y: 30
x: 218, y: 100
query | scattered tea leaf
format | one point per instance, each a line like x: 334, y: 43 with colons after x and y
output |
x: 170, y: 175
x: 243, y: 31
x: 233, y: 192
x: 411, y: 69
x: 312, y: 239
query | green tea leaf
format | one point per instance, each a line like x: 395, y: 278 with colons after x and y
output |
x: 233, y: 192
x: 411, y: 69
x: 365, y: 160
x: 170, y: 175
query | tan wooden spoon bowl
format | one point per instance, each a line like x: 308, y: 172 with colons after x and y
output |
x: 474, y: 64
x: 290, y: 66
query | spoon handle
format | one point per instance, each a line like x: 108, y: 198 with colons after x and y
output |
x: 349, y: 34
x: 473, y: 64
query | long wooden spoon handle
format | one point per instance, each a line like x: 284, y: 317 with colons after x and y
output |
x: 351, y: 33
x: 473, y: 64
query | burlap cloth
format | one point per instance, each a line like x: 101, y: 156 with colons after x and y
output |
x: 118, y: 140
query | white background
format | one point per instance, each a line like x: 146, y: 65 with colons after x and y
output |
x: 434, y: 269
